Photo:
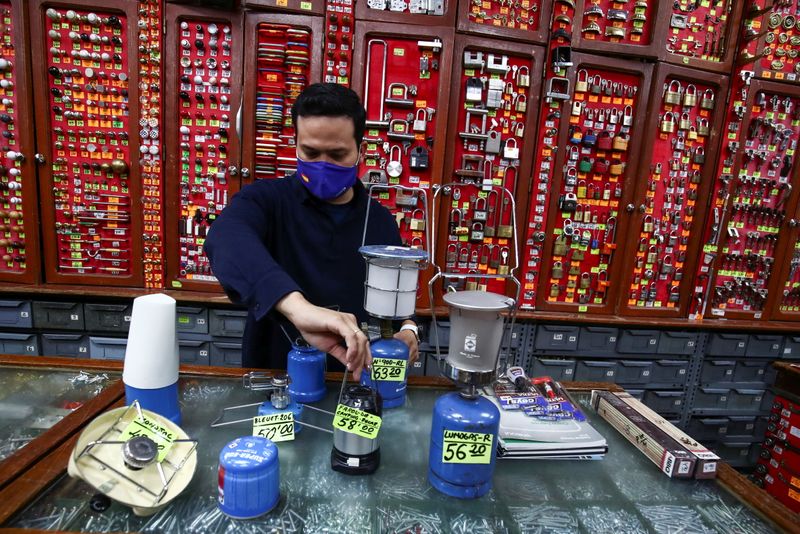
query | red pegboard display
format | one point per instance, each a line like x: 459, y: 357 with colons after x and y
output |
x: 283, y: 64
x: 88, y: 64
x: 685, y: 119
x: 401, y: 88
x: 12, y: 230
x: 790, y: 299
x: 150, y: 141
x: 778, y: 469
x: 523, y: 15
x: 699, y: 30
x: 601, y: 126
x: 758, y: 202
x: 771, y: 39
x: 339, y: 22
x: 492, y: 118
x: 205, y: 50
x: 615, y: 21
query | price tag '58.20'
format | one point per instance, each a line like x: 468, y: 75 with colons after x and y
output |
x: 356, y: 422
x: 275, y: 427
x: 142, y: 426
x: 467, y: 447
x: 389, y: 369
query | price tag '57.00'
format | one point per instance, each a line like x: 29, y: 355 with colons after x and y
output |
x: 275, y: 427
x: 467, y: 447
x: 356, y: 422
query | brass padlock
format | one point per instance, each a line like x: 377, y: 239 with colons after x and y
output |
x: 668, y: 123
x: 503, y: 268
x: 648, y: 225
x: 471, y: 285
x: 582, y: 81
x: 523, y: 77
x: 586, y: 280
x: 560, y: 246
x: 417, y: 225
x: 571, y: 284
x: 482, y: 285
x: 486, y: 251
x: 574, y: 270
x: 505, y: 230
x: 690, y: 96
x: 699, y: 155
x: 673, y: 93
x: 555, y: 289
x: 703, y: 129
x: 707, y: 100
x: 578, y: 255
x: 521, y: 104
x: 686, y: 121
x: 652, y: 255
x: 691, y: 135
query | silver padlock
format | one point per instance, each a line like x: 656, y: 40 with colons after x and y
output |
x: 509, y: 151
x: 420, y: 123
x: 493, y: 141
x: 395, y: 167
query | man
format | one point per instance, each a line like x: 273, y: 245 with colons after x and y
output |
x: 288, y: 249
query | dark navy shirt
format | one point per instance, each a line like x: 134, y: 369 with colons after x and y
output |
x: 275, y: 238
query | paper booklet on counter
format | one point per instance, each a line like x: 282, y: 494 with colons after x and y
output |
x: 543, y: 422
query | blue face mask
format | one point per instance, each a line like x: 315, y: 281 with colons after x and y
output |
x: 325, y: 180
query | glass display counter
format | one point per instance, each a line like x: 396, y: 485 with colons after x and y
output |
x: 622, y: 493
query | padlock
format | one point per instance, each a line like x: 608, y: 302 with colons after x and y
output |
x: 595, y: 85
x: 690, y: 96
x: 648, y: 226
x: 575, y: 135
x: 479, y: 212
x: 617, y: 168
x: 474, y: 90
x: 577, y: 108
x: 685, y: 121
x: 523, y: 77
x: 521, y: 105
x: 601, y: 166
x: 678, y: 276
x: 574, y: 154
x: 582, y: 188
x: 420, y: 123
x: 578, y: 254
x: 679, y: 142
x: 511, y: 151
x: 451, y: 256
x: 555, y: 289
x: 589, y: 138
x: 582, y: 81
x: 471, y: 285
x: 571, y: 283
x: 691, y: 135
x: 578, y: 215
x: 505, y: 230
x: 586, y: 280
x: 613, y: 117
x: 574, y: 270
x: 493, y: 142
x: 618, y: 190
x: 606, y: 191
x: 707, y: 100
x: 395, y: 167
x: 571, y: 177
x: 675, y: 294
x: 476, y: 233
x: 604, y: 141
x: 699, y: 156
x: 652, y: 255
x: 463, y: 258
x: 417, y: 224
x: 473, y: 259
x: 560, y: 245
x: 668, y: 123
x: 558, y: 271
x: 419, y: 157
x: 673, y: 93
x: 703, y: 129
x: 607, y: 87
x: 621, y: 142
x: 416, y: 242
x: 585, y: 165
x: 457, y: 222
x: 666, y: 266
x: 482, y: 284
x: 568, y: 203
x: 627, y: 116
x: 503, y: 268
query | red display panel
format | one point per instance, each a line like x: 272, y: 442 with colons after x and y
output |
x: 339, y: 25
x: 526, y: 20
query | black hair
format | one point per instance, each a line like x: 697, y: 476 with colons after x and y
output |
x: 331, y: 100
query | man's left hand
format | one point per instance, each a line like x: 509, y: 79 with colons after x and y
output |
x: 410, y: 339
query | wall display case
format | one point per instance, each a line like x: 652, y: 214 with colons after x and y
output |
x: 770, y: 41
x: 422, y: 12
x: 614, y: 27
x: 403, y: 84
x: 786, y: 295
x: 339, y: 26
x: 86, y: 85
x: 493, y: 104
x: 699, y: 34
x: 316, y: 7
x: 675, y: 179
x: 285, y: 58
x: 19, y: 235
x: 204, y: 87
x: 526, y: 20
x: 595, y: 160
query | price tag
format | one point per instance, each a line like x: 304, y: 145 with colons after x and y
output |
x: 356, y: 422
x: 142, y: 426
x: 389, y: 369
x: 466, y: 447
x: 276, y: 427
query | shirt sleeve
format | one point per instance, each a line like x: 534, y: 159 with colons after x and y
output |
x: 236, y: 247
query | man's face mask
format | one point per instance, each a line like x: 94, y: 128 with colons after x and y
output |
x: 325, y: 180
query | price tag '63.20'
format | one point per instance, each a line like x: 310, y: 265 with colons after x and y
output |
x: 275, y: 427
x: 142, y: 426
x: 467, y: 447
x: 356, y: 422
x: 389, y: 369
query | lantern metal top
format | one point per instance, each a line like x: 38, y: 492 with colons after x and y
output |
x: 478, y: 301
x: 393, y: 252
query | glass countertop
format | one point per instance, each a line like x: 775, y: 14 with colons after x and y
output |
x: 623, y: 493
x: 33, y: 400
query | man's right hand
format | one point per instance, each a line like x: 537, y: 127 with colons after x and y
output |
x: 325, y: 329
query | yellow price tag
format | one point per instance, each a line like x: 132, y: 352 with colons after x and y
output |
x: 142, y: 426
x: 467, y: 447
x: 389, y: 369
x: 276, y: 427
x: 356, y: 422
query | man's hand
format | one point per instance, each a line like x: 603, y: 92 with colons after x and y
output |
x: 325, y: 329
x: 410, y: 339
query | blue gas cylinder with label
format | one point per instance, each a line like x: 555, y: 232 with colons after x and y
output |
x: 249, y: 477
x: 463, y: 447
x: 389, y: 380
x: 306, y: 368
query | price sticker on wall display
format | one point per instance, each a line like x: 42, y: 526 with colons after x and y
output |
x: 467, y: 447
x: 389, y: 369
x: 275, y: 427
x: 356, y: 422
x: 142, y: 426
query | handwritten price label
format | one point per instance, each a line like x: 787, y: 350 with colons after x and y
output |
x: 467, y: 447
x: 356, y: 422
x: 142, y: 426
x: 389, y: 369
x: 276, y: 427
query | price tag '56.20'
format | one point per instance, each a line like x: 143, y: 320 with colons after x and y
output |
x: 356, y: 422
x: 142, y: 426
x: 467, y: 447
x: 389, y: 369
x: 275, y: 427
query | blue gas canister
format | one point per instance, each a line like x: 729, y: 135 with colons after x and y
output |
x: 463, y: 443
x: 268, y: 408
x: 306, y: 367
x: 249, y: 477
x: 389, y: 379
